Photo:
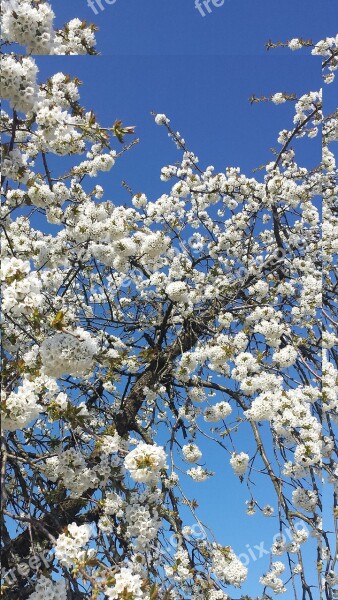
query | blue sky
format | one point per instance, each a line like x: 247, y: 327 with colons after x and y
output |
x: 239, y: 27
x: 162, y: 55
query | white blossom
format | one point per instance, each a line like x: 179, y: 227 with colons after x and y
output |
x: 191, y: 453
x: 68, y: 545
x: 68, y: 353
x: 145, y: 462
x: 239, y: 462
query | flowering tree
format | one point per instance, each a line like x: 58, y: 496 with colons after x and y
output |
x: 133, y: 332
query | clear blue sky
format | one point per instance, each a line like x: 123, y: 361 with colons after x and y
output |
x: 164, y: 56
x: 176, y: 27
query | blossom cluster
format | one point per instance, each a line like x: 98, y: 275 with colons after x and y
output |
x: 227, y: 566
x: 20, y: 407
x: 126, y: 583
x: 30, y: 24
x: 191, y: 453
x: 68, y: 545
x: 68, y: 353
x: 271, y: 579
x: 18, y: 82
x: 145, y: 462
x: 239, y: 462
x: 21, y: 287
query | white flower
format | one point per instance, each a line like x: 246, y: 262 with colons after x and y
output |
x: 110, y: 444
x: 28, y: 25
x: 126, y: 247
x: 217, y: 412
x: 172, y: 480
x: 278, y: 547
x: 139, y: 200
x: 239, y: 462
x: 68, y: 545
x: 126, y: 585
x: 154, y: 244
x: 294, y: 44
x: 161, y: 119
x: 301, y: 536
x: 329, y: 339
x: 306, y: 499
x: 227, y: 566
x: 21, y: 292
x: 278, y: 567
x: 143, y: 525
x: 145, y: 462
x: 285, y: 357
x: 275, y: 583
x: 18, y: 82
x: 113, y: 504
x: 268, y: 510
x: 79, y: 39
x: 332, y: 578
x: 199, y: 474
x: 20, y: 407
x: 68, y: 353
x: 217, y: 595
x: 278, y: 98
x: 191, y: 453
x: 177, y: 291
